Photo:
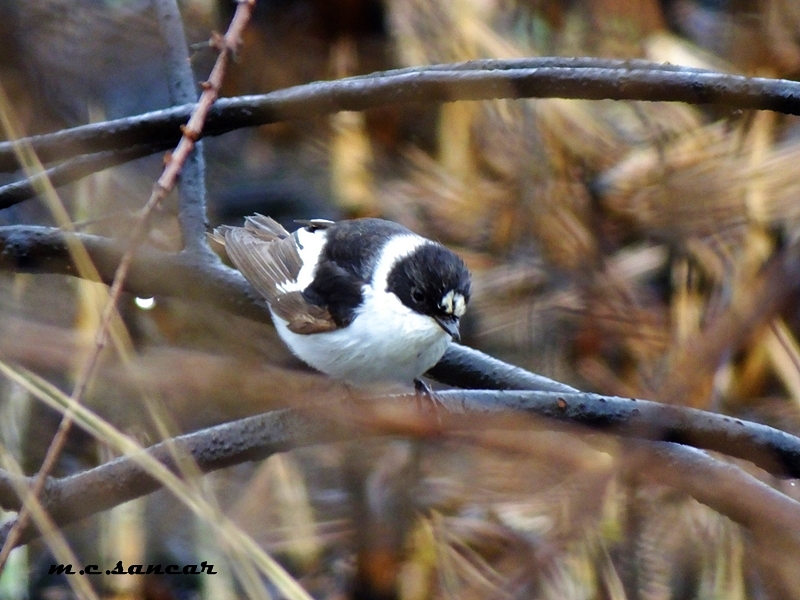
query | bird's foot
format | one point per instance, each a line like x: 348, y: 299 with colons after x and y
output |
x: 426, y: 397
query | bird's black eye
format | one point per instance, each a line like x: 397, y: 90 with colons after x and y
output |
x: 417, y: 295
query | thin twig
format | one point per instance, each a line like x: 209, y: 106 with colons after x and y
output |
x: 192, y: 186
x: 531, y: 78
x: 70, y: 171
x: 163, y: 186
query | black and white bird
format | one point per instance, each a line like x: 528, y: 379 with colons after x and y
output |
x: 363, y: 301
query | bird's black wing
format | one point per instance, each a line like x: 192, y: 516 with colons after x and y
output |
x: 267, y: 256
x: 359, y: 258
x: 315, y: 224
x: 346, y: 263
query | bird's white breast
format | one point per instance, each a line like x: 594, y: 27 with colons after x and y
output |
x: 386, y: 341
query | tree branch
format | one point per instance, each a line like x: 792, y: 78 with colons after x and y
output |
x: 470, y: 369
x: 72, y: 170
x: 734, y: 493
x: 192, y: 186
x: 33, y: 249
x: 73, y: 498
x: 723, y: 487
x: 174, y: 164
x: 581, y: 78
x: 771, y: 449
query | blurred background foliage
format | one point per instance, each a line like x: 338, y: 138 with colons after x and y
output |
x: 603, y: 238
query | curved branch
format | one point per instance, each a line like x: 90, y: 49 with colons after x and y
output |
x: 588, y: 79
x: 723, y: 487
x: 771, y: 449
x: 468, y: 368
x: 73, y: 498
x: 34, y: 249
x: 753, y: 504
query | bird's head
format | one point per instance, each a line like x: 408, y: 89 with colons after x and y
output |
x: 432, y: 281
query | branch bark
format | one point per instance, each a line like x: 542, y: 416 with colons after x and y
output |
x: 724, y: 487
x: 70, y: 171
x: 735, y: 493
x: 192, y: 186
x: 73, y: 498
x: 33, y: 249
x: 580, y: 78
x: 771, y: 449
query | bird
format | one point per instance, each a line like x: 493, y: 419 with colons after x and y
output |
x: 364, y: 300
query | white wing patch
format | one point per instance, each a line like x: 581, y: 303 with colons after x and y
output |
x: 289, y: 286
x: 309, y: 246
x: 279, y: 265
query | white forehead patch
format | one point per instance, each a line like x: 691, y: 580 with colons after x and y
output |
x: 454, y: 303
x: 460, y: 306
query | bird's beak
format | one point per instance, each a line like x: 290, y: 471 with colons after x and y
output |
x: 450, y: 326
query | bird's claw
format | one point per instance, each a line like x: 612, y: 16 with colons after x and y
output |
x: 427, y: 397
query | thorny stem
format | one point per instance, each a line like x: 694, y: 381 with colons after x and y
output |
x: 191, y: 133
